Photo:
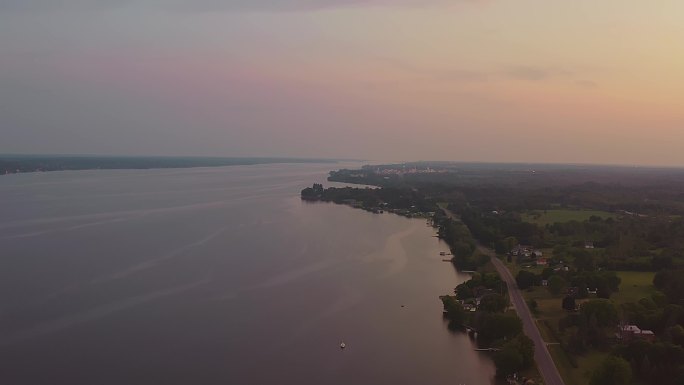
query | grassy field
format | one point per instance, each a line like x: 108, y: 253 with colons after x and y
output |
x: 543, y: 218
x: 635, y: 285
x: 548, y: 306
x: 586, y: 363
x: 549, y: 310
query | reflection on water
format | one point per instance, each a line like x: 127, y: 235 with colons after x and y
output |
x: 218, y: 276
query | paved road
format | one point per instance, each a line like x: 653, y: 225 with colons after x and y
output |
x: 545, y: 363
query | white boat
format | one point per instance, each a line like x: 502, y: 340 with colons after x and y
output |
x: 342, y: 345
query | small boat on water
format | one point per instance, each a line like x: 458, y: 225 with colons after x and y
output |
x: 342, y: 345
x: 442, y: 253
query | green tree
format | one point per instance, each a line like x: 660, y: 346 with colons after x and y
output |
x: 500, y: 247
x: 525, y: 279
x: 507, y: 362
x: 602, y: 309
x: 659, y: 298
x: 648, y: 304
x: 660, y: 262
x: 525, y: 346
x: 533, y: 305
x: 557, y: 284
x: 613, y: 371
x: 493, y: 303
x: 494, y: 326
x: 511, y: 242
x: 645, y: 368
x: 454, y: 310
x: 569, y: 303
x: 547, y: 272
x: 462, y: 249
x: 583, y: 260
x: 515, y: 355
x: 676, y: 334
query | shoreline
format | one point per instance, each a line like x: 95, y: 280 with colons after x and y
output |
x: 25, y: 164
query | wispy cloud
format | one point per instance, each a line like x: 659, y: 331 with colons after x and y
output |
x: 528, y: 73
x: 586, y: 83
x: 212, y: 5
x: 534, y: 73
x: 440, y: 74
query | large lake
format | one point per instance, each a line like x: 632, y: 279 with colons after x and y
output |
x: 218, y: 276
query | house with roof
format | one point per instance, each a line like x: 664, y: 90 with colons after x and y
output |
x: 629, y: 333
x: 522, y: 250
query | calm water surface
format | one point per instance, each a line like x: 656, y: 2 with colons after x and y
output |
x: 218, y: 276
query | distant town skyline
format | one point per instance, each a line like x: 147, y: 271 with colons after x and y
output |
x: 463, y: 80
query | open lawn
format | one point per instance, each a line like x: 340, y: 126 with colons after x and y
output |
x: 549, y: 310
x: 586, y: 364
x: 548, y: 305
x: 635, y: 285
x: 543, y: 218
x: 563, y: 364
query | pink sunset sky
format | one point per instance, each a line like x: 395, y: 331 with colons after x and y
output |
x: 579, y: 81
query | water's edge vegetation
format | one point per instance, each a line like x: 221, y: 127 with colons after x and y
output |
x: 479, y: 305
x: 598, y: 252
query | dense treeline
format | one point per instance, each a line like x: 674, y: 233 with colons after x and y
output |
x: 495, y: 326
x: 626, y: 243
x: 479, y: 283
x: 645, y: 231
x: 652, y: 361
x: 595, y: 324
x: 591, y: 326
x: 461, y: 242
x: 671, y: 283
x: 406, y: 199
x: 636, y: 223
x: 486, y: 293
x: 564, y: 184
x: 489, y: 228
x: 602, y: 283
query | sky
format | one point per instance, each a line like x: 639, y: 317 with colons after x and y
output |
x: 579, y: 81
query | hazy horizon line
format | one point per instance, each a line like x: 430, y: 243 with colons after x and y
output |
x: 369, y: 162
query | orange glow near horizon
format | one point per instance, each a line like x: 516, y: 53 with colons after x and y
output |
x: 532, y: 80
